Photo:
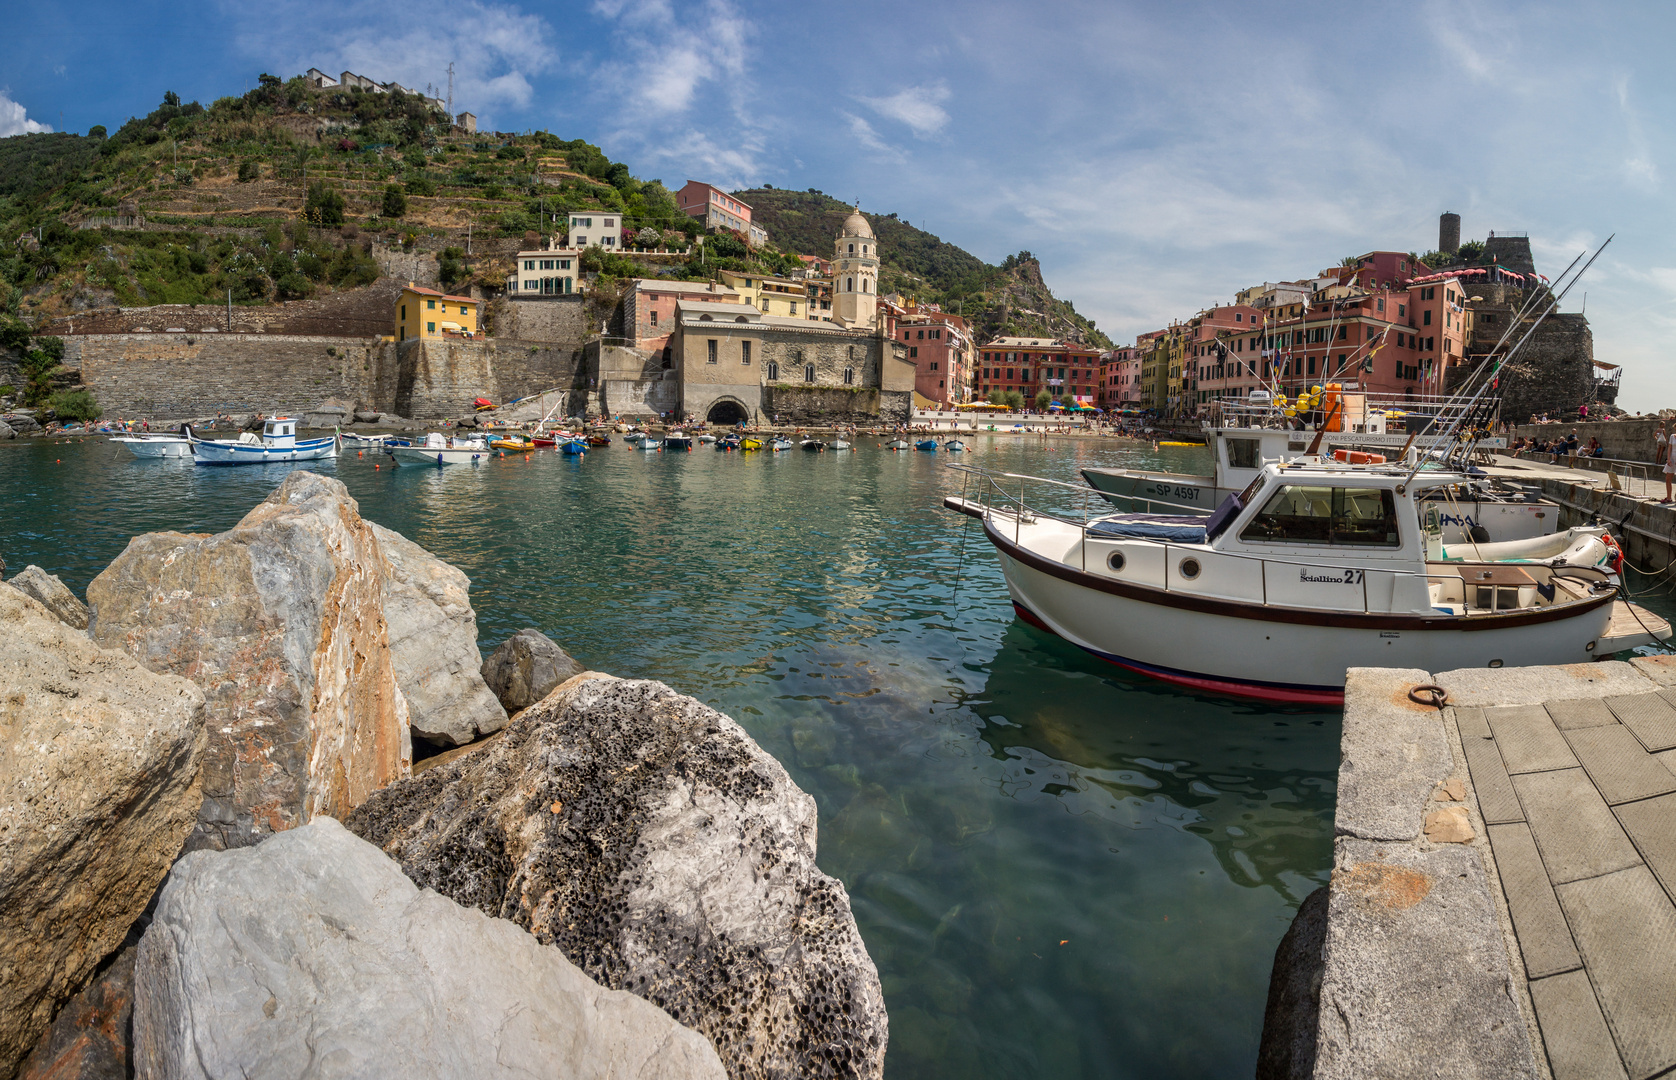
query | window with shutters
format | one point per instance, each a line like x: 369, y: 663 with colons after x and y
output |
x: 711, y: 348
x: 849, y: 376
x: 808, y: 373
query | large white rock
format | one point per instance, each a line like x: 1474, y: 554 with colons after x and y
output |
x: 313, y: 956
x: 433, y: 644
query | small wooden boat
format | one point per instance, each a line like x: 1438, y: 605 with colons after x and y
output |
x: 599, y: 440
x: 702, y: 439
x: 842, y: 444
x: 573, y: 447
x: 954, y: 446
x: 730, y: 442
x: 278, y: 442
x: 814, y: 446
x: 926, y: 444
x: 780, y: 444
x: 156, y: 446
x: 438, y: 449
x: 648, y: 443
x: 898, y: 444
x: 751, y: 444
x: 513, y: 443
x: 678, y: 442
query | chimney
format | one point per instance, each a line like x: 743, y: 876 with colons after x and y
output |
x: 1449, y: 233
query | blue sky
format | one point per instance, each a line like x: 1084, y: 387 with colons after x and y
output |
x: 1157, y: 157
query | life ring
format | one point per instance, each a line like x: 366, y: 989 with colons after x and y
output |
x: 1616, y: 553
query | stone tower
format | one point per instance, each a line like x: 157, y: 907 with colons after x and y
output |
x: 855, y: 270
x: 1449, y: 233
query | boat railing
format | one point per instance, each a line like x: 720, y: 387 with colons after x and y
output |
x: 993, y: 495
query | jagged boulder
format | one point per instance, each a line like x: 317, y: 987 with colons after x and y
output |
x: 280, y: 620
x: 22, y: 423
x: 653, y: 842
x: 312, y: 955
x: 7, y: 431
x: 99, y: 764
x: 52, y: 594
x: 433, y: 642
x: 527, y: 667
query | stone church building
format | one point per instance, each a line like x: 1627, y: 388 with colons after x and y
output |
x: 736, y: 364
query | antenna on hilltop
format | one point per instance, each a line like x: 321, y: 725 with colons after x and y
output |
x: 450, y: 88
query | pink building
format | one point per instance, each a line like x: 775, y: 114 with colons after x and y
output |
x: 1120, y: 379
x: 715, y: 207
x: 940, y: 348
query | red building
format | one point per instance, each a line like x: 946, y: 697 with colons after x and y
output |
x: 939, y: 346
x: 1030, y: 365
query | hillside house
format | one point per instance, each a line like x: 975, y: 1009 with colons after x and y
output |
x: 427, y: 313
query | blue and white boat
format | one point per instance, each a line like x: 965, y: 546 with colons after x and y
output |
x: 926, y: 444
x: 954, y: 446
x: 278, y: 442
x: 780, y: 444
x: 573, y: 447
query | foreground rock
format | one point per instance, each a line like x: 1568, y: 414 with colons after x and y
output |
x: 312, y: 955
x: 52, y: 594
x: 527, y: 667
x: 98, y: 789
x: 433, y: 643
x: 89, y: 1038
x: 7, y: 431
x: 647, y: 837
x: 280, y: 620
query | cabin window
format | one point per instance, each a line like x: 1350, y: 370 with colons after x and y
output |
x: 1242, y: 453
x: 1298, y: 514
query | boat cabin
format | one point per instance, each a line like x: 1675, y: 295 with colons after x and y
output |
x: 281, y: 432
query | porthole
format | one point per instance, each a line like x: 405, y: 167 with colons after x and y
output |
x: 1115, y: 561
x: 1189, y: 568
x: 1495, y: 663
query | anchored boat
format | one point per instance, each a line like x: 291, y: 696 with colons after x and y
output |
x: 278, y: 442
x: 438, y: 449
x: 1315, y: 568
x: 156, y: 446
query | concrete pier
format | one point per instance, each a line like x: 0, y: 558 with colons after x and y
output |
x: 1503, y: 897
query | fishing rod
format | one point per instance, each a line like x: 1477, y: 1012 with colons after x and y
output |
x: 1554, y: 302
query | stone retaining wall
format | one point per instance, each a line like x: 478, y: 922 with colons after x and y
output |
x: 1626, y: 440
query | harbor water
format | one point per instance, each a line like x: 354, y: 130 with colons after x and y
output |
x: 1060, y: 869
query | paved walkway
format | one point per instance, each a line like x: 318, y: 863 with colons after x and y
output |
x: 1579, y: 799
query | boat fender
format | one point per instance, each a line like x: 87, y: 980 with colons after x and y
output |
x: 1479, y: 534
x: 1615, y: 553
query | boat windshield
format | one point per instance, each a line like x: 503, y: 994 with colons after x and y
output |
x: 1303, y: 514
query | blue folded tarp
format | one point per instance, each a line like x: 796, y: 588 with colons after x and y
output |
x: 1177, y: 529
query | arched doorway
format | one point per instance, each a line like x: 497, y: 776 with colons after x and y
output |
x: 726, y: 413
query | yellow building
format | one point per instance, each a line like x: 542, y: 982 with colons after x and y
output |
x: 769, y: 295
x: 426, y: 313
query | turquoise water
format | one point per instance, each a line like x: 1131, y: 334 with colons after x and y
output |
x: 1060, y: 869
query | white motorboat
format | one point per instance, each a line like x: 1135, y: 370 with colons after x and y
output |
x: 156, y: 446
x: 1239, y: 454
x: 646, y: 442
x: 842, y: 444
x: 438, y: 449
x: 706, y: 439
x: 278, y: 442
x: 367, y: 441
x: 780, y: 443
x: 1314, y: 569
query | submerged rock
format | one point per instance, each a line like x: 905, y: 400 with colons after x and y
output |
x: 433, y: 642
x: 653, y: 842
x: 527, y: 667
x: 99, y: 788
x: 53, y: 595
x: 280, y: 620
x: 312, y: 955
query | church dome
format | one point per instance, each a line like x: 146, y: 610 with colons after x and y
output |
x: 856, y: 225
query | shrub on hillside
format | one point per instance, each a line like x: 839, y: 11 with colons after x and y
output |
x: 248, y: 171
x: 324, y: 205
x: 420, y: 185
x: 293, y: 286
x: 395, y: 203
x: 76, y: 405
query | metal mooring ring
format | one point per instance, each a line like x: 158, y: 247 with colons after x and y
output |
x: 1435, y: 696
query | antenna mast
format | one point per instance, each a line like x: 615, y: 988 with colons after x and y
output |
x: 451, y: 89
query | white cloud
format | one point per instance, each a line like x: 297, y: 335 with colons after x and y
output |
x: 13, y: 121
x: 663, y: 59
x: 868, y: 139
x: 497, y: 51
x: 919, y: 107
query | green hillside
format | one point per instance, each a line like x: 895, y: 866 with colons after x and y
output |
x: 284, y: 192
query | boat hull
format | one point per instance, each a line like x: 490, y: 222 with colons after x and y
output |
x: 438, y: 455
x: 219, y: 453
x: 158, y: 448
x: 1275, y: 653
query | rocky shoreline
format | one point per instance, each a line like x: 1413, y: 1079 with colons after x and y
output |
x: 217, y: 857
